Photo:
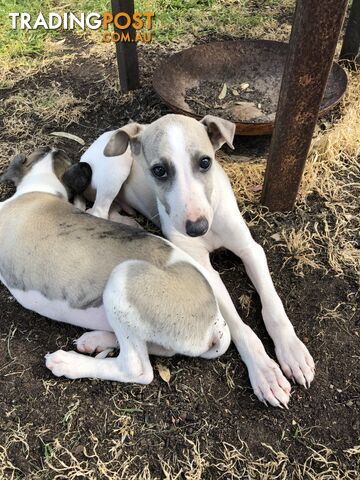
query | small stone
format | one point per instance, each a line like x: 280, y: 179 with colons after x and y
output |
x: 79, y: 449
x: 244, y: 111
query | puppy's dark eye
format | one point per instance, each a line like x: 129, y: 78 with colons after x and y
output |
x: 159, y: 171
x: 205, y: 163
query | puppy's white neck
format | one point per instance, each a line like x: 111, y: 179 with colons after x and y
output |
x: 41, y: 178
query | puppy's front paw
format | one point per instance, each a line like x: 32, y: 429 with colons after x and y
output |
x: 295, y: 359
x: 62, y: 363
x: 268, y: 382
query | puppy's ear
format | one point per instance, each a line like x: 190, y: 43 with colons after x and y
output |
x: 220, y: 131
x: 78, y: 177
x: 119, y: 141
x: 16, y: 170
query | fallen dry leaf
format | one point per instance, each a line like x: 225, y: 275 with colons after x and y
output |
x: 223, y: 92
x: 164, y: 372
x: 276, y: 237
x: 256, y: 188
x: 68, y: 135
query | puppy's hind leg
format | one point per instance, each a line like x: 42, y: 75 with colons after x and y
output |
x: 98, y: 341
x: 79, y: 202
x: 132, y: 365
x: 221, y: 339
x: 159, y: 351
x: 107, y: 180
x: 103, y: 201
x: 115, y: 216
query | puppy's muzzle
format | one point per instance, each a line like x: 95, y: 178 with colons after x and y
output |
x: 197, y: 228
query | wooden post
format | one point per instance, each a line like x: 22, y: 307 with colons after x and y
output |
x: 312, y: 46
x: 126, y: 52
x: 351, y: 44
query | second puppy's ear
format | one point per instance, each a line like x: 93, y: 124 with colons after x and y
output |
x: 119, y: 141
x: 78, y: 177
x: 16, y: 170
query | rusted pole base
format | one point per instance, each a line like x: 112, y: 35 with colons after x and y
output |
x: 126, y: 52
x: 351, y: 44
x: 313, y: 40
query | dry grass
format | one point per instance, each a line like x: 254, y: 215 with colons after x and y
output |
x: 246, y: 178
x: 14, y: 70
x: 49, y: 104
x: 332, y: 173
x: 62, y: 462
x: 51, y: 108
x: 342, y: 314
x: 334, y: 156
x: 302, y: 248
x: 321, y: 464
x: 245, y: 303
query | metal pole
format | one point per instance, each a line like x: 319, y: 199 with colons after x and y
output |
x: 126, y: 52
x: 351, y: 44
x: 312, y: 46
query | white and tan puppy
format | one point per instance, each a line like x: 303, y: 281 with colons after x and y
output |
x: 176, y: 182
x: 72, y: 267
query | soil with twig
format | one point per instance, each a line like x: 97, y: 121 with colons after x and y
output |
x: 236, y: 102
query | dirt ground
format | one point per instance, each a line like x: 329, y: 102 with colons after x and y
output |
x: 205, y: 423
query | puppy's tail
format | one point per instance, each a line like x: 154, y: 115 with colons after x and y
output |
x: 78, y: 177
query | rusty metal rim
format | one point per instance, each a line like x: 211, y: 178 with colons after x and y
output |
x: 264, y: 127
x: 244, y: 128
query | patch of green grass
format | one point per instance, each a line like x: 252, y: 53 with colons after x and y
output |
x: 176, y: 18
x: 20, y: 43
x: 23, y: 53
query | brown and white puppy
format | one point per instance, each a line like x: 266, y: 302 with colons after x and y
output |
x: 168, y: 171
x: 72, y: 267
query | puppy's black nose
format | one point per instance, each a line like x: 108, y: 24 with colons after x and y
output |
x: 197, y: 228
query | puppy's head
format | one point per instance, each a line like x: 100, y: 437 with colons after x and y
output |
x: 42, y: 165
x: 21, y: 165
x: 178, y: 154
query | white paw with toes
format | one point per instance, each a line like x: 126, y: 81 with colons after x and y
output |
x: 295, y: 359
x: 63, y: 363
x: 268, y: 382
